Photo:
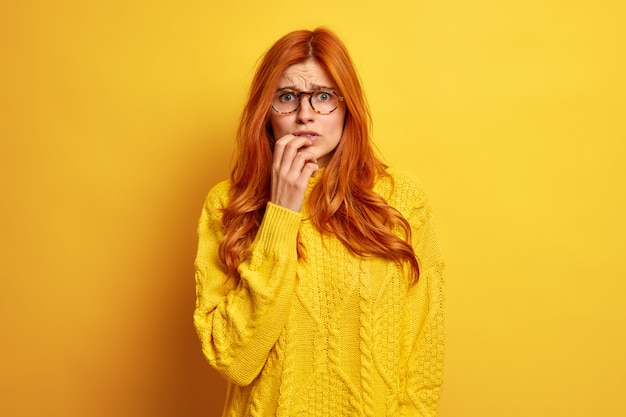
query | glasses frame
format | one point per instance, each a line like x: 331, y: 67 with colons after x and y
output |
x: 299, y: 94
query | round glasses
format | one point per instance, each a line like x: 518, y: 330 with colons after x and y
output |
x: 323, y: 101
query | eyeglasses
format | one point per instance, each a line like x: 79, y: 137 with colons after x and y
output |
x: 323, y: 101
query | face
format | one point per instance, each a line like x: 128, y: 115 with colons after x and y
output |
x: 324, y: 130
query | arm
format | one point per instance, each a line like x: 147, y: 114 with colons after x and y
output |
x: 425, y: 362
x: 239, y: 322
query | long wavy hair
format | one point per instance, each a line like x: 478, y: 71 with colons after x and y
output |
x: 343, y: 202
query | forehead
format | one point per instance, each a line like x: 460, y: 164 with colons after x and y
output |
x: 305, y: 76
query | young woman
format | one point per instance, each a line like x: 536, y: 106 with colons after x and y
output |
x: 318, y: 272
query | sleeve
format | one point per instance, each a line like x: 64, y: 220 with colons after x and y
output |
x: 238, y: 323
x: 425, y: 362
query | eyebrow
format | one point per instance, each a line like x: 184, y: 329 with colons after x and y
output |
x: 313, y: 87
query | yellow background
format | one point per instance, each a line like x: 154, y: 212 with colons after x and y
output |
x: 117, y: 117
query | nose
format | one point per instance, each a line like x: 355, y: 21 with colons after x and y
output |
x: 305, y: 112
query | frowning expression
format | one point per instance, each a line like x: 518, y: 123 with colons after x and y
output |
x: 324, y: 130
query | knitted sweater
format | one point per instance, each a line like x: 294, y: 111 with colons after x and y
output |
x: 333, y: 335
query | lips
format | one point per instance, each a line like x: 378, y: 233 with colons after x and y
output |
x: 306, y: 133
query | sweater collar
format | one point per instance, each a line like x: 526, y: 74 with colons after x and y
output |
x: 315, y: 179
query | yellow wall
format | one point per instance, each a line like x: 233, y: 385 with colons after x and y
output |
x: 116, y: 118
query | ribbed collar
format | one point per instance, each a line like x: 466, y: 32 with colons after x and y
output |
x: 314, y: 180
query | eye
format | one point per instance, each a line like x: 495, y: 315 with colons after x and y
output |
x: 323, y: 96
x: 287, y: 97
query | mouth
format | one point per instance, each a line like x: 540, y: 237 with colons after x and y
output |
x: 306, y: 133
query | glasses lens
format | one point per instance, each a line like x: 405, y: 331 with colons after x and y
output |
x: 324, y: 101
x: 286, y: 101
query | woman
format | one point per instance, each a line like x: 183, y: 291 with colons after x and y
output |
x: 318, y: 272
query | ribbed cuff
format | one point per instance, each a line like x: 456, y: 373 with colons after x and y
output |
x: 279, y: 230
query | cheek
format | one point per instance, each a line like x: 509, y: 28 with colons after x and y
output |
x: 279, y: 127
x: 340, y: 122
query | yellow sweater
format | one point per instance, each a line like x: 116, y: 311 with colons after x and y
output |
x: 335, y: 335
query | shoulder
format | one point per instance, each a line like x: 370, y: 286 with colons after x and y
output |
x: 218, y: 196
x: 216, y: 200
x: 402, y: 190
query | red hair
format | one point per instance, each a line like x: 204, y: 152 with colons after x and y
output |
x: 343, y: 203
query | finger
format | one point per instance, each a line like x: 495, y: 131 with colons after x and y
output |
x: 299, y: 179
x: 310, y: 170
x: 279, y: 151
x: 292, y: 149
x: 287, y: 150
x: 300, y: 160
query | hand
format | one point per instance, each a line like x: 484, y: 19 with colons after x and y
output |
x: 292, y: 167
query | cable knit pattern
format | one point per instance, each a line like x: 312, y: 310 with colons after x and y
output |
x: 365, y: 331
x: 333, y: 335
x: 286, y: 384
